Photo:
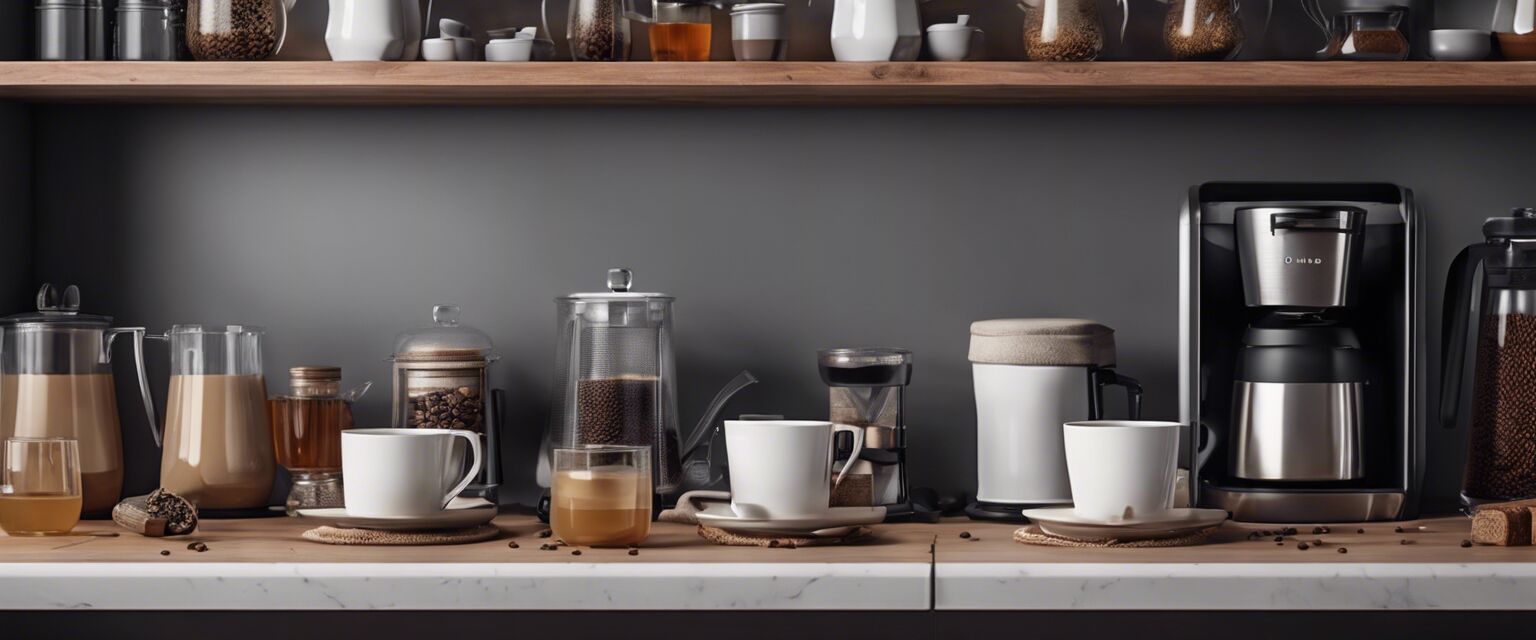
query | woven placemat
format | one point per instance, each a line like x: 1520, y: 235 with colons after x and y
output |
x: 338, y: 535
x: 1032, y: 534
x: 721, y: 536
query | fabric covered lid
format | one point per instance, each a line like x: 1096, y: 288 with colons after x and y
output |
x: 1061, y: 342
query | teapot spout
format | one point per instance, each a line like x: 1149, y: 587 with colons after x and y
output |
x: 695, y: 438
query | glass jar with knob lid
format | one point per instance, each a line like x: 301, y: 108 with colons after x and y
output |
x: 441, y: 374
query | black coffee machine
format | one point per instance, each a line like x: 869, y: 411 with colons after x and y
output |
x: 1301, y: 346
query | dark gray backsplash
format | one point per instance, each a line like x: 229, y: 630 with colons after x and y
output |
x: 779, y: 230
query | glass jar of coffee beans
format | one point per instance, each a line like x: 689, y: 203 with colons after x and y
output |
x: 236, y: 29
x: 1062, y: 30
x: 441, y: 375
x: 1203, y: 30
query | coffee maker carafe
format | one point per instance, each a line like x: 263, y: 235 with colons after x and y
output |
x: 1501, y: 318
x: 1301, y: 340
x: 57, y: 382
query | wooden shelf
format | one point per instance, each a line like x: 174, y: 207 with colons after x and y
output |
x: 796, y: 83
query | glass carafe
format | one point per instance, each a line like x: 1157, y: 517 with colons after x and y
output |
x: 680, y: 30
x: 1368, y: 35
x: 1066, y: 30
x: 1208, y: 29
x: 57, y: 383
x: 217, y: 450
x: 1501, y: 454
x: 614, y: 375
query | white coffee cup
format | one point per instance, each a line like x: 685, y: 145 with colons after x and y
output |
x: 404, y: 472
x: 783, y: 468
x: 1122, y: 470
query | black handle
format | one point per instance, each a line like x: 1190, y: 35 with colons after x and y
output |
x: 1460, y: 304
x: 493, y: 427
x: 1105, y: 378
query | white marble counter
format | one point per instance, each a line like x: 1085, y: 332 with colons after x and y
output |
x: 546, y: 586
x: 1235, y: 586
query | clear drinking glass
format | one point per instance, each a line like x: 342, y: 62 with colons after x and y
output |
x: 601, y: 495
x: 40, y: 494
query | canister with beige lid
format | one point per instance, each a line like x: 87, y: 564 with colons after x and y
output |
x: 1032, y: 376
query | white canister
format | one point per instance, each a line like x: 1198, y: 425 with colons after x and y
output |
x: 876, y: 30
x: 1031, y: 377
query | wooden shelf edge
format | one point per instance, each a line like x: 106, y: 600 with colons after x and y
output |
x: 787, y: 83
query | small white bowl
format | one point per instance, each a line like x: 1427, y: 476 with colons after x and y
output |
x: 1460, y: 45
x: 509, y: 50
x: 437, y: 50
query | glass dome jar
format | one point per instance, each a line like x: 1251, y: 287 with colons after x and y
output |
x: 440, y: 374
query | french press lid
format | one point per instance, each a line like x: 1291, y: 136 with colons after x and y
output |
x: 619, y: 282
x: 444, y: 339
x: 59, y: 310
x: 1521, y: 223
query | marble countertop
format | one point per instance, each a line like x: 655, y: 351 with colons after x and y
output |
x: 264, y: 565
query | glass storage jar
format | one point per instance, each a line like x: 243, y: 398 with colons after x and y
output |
x: 1205, y: 29
x: 236, y: 29
x: 1369, y: 35
x: 440, y: 375
x: 1063, y: 30
x: 598, y: 31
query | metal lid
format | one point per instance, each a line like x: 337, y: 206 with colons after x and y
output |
x: 445, y: 339
x: 619, y: 282
x: 315, y: 373
x: 863, y: 357
x: 758, y: 7
x: 59, y: 309
x: 1521, y: 223
x: 315, y: 382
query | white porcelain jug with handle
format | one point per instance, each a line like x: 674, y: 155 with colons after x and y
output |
x: 373, y: 29
x: 876, y: 30
x: 1517, y: 16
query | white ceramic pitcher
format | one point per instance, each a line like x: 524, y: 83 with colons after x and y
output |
x: 876, y: 30
x: 373, y: 29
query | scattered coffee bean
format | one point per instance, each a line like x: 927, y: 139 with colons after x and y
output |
x: 1397, y: 529
x: 1405, y: 541
x: 1327, y: 530
x: 634, y: 552
x: 1343, y: 550
x: 512, y: 544
x: 1303, y: 546
x: 546, y: 533
x: 1266, y: 533
x: 547, y: 547
x: 965, y: 534
x: 199, y: 547
x: 191, y: 546
x: 1279, y: 538
x: 165, y: 552
x: 575, y: 552
x: 1466, y: 543
x: 1359, y: 530
x: 1316, y: 530
x: 773, y: 543
x: 1280, y: 543
x: 1291, y: 531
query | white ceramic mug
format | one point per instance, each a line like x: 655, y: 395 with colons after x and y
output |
x: 1122, y: 470
x: 405, y: 473
x: 783, y: 468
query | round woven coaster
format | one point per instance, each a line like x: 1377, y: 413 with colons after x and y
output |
x: 721, y: 536
x: 336, y: 535
x: 1033, y: 535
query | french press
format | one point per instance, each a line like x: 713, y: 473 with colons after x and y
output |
x: 1501, y: 453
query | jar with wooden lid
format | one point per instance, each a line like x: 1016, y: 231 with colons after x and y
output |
x: 441, y: 374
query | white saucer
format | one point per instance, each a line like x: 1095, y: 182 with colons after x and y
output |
x: 1064, y: 522
x: 714, y: 509
x: 461, y: 513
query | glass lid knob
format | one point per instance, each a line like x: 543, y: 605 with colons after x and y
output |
x: 446, y: 315
x: 50, y: 300
x: 619, y: 280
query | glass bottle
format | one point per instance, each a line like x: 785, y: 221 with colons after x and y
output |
x: 306, y: 434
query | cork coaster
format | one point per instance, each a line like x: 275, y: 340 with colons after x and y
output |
x: 371, y: 537
x: 1033, y: 535
x: 721, y: 536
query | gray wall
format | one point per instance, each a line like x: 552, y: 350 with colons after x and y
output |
x: 15, y: 163
x: 779, y: 230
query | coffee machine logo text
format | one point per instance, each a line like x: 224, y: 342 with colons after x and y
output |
x: 1291, y: 260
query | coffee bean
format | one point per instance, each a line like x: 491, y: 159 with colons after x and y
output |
x: 512, y: 544
x: 1280, y: 543
x: 1405, y: 541
x: 1303, y: 546
x: 1397, y: 529
x: 1343, y: 550
x: 1279, y: 539
x: 576, y: 552
x: 1360, y: 531
x: 1466, y: 543
x: 1326, y: 529
x: 165, y: 552
x: 546, y: 533
x: 965, y: 534
x: 1316, y: 530
x: 634, y: 552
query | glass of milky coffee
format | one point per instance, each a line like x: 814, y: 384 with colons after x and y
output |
x: 601, y: 495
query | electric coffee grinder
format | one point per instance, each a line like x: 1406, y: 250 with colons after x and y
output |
x: 867, y: 389
x: 1300, y: 343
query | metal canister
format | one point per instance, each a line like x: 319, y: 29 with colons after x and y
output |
x: 61, y: 32
x: 149, y: 30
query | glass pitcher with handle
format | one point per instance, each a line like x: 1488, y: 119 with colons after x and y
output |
x: 217, y: 449
x: 1501, y: 317
x: 57, y: 382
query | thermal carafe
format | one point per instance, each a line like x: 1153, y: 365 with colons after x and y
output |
x: 1032, y: 376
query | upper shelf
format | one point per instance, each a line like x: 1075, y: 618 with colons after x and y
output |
x: 760, y: 83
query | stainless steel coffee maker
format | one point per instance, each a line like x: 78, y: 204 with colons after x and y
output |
x: 1300, y: 344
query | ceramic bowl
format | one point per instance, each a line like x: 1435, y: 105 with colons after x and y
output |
x: 1460, y: 44
x: 1518, y: 46
x: 509, y: 50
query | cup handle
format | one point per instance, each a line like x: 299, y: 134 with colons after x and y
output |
x: 474, y: 468
x: 858, y: 446
x: 1204, y: 451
